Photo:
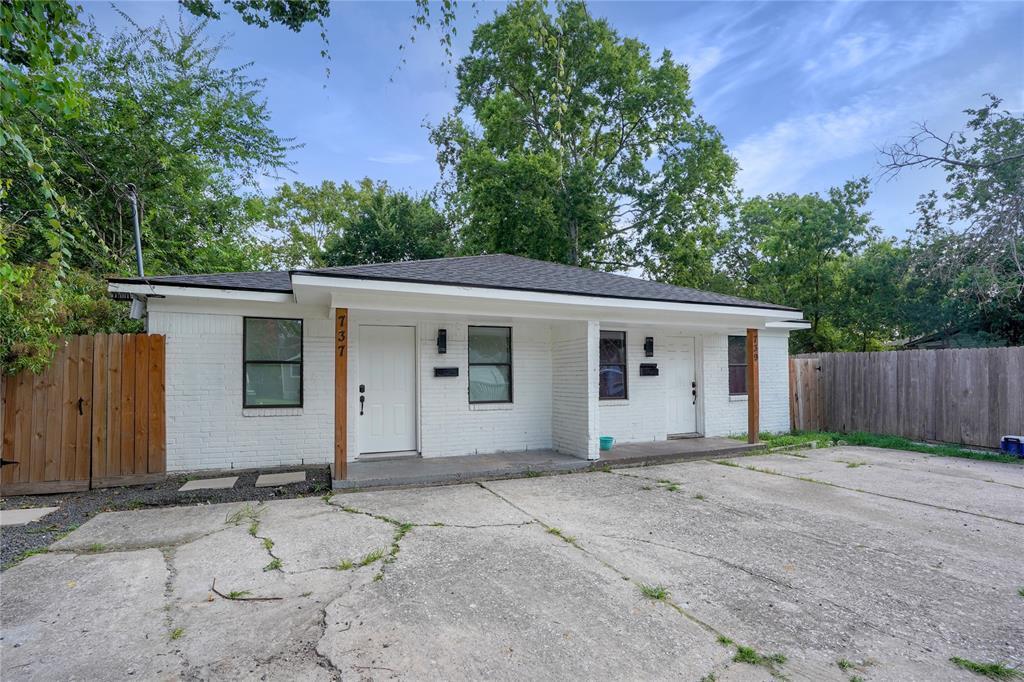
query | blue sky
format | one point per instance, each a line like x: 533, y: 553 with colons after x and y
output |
x: 804, y: 92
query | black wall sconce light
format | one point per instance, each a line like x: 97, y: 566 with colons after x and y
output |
x: 442, y: 341
x: 649, y: 346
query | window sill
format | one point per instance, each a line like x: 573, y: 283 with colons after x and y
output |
x: 738, y: 398
x: 613, y: 402
x: 491, y: 407
x: 271, y: 411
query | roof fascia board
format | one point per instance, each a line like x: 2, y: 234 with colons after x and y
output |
x: 351, y: 285
x: 200, y: 292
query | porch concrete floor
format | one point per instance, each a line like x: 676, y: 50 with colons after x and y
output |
x: 413, y: 471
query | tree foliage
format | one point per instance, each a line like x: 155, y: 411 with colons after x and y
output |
x: 330, y: 224
x: 582, y: 148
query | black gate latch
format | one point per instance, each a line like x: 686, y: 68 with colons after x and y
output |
x: 5, y: 462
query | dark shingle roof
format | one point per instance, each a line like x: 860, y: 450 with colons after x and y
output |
x: 497, y: 271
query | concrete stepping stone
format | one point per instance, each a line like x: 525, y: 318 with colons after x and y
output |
x: 19, y: 517
x: 209, y: 484
x: 283, y: 478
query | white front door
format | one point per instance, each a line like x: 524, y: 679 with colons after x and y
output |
x: 680, y: 402
x: 387, y: 389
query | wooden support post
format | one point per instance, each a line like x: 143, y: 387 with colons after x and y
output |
x: 341, y: 393
x: 753, y: 389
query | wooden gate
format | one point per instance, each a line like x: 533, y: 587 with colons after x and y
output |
x: 806, y: 399
x: 93, y: 418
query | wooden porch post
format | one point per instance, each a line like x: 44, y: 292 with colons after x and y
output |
x: 753, y: 389
x: 341, y: 393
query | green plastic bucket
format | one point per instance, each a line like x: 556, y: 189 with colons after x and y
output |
x: 607, y: 442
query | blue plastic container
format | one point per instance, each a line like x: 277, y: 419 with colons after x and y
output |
x: 1012, y: 445
x: 607, y: 442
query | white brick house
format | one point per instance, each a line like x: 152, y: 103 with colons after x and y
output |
x: 448, y: 357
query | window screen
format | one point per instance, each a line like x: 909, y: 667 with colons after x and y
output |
x: 737, y: 365
x: 490, y: 364
x: 612, y: 349
x: 272, y: 362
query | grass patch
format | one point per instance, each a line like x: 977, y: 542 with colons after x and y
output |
x: 177, y: 633
x: 746, y: 654
x: 655, y: 592
x: 274, y: 565
x: 831, y: 438
x: 994, y: 671
x: 26, y: 554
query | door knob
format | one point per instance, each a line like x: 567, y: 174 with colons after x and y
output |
x: 362, y: 399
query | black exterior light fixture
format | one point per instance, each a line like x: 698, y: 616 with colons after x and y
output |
x: 442, y: 341
x: 649, y: 346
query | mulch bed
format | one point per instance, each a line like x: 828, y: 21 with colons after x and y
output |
x: 74, y: 509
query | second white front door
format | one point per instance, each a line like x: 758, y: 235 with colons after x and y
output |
x: 387, y: 389
x: 680, y: 401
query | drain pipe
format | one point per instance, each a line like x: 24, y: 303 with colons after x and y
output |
x: 133, y: 195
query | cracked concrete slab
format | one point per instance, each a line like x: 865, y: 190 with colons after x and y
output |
x: 148, y: 527
x: 817, y: 584
x: 812, y: 571
x: 309, y: 534
x: 98, y: 617
x: 452, y: 505
x: 998, y: 500
x: 508, y: 602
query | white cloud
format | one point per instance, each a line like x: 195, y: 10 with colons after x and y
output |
x: 777, y: 159
x: 397, y: 158
x: 701, y: 61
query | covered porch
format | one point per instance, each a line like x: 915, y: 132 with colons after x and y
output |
x: 417, y: 471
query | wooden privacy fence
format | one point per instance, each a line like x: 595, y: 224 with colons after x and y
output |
x: 972, y: 396
x: 93, y: 418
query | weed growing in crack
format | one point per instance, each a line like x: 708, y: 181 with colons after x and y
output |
x: 699, y: 496
x: 668, y: 485
x: 844, y: 664
x: 1020, y: 592
x: 274, y: 565
x: 854, y: 465
x: 26, y: 554
x: 246, y: 513
x: 371, y: 557
x: 725, y: 463
x: 327, y: 498
x: 724, y: 641
x: 254, y: 528
x: 268, y: 544
x: 95, y: 547
x: 345, y: 565
x: 378, y: 577
x: 557, y: 532
x: 994, y: 671
x: 238, y: 594
x: 530, y: 473
x: 856, y: 678
x: 655, y: 592
x: 710, y: 677
x: 438, y: 524
x: 746, y: 654
x: 177, y: 633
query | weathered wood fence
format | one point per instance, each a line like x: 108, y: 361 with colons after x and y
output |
x: 972, y: 396
x: 93, y: 418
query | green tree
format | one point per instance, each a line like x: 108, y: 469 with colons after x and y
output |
x: 384, y: 226
x: 869, y: 307
x: 791, y: 249
x: 583, y: 148
x: 331, y: 224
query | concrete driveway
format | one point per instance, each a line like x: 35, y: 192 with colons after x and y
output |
x: 888, y: 562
